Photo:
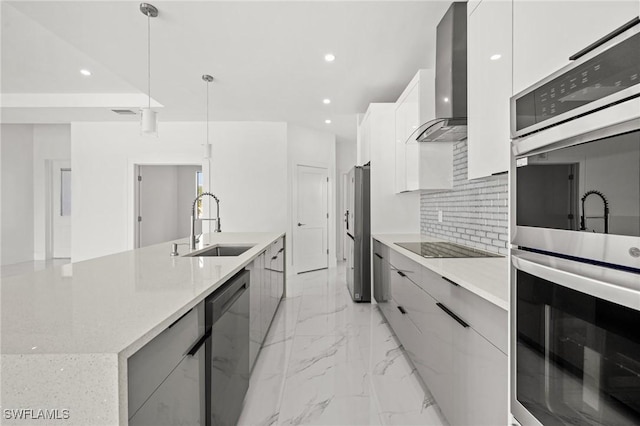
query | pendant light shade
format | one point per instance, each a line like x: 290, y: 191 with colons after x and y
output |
x: 207, y: 146
x: 148, y: 117
x: 148, y: 122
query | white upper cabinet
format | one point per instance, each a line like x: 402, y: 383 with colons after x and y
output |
x: 546, y: 33
x: 489, y: 87
x: 420, y: 166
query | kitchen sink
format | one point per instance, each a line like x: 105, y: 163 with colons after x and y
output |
x: 220, y: 250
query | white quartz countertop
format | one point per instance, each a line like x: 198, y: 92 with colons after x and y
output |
x: 114, y: 304
x: 66, y: 332
x: 488, y: 277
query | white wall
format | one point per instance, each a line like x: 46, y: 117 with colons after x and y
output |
x: 318, y: 149
x: 345, y: 161
x: 16, y: 145
x: 50, y: 142
x: 390, y: 212
x: 247, y: 171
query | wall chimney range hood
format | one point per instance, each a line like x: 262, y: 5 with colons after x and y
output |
x: 451, y: 80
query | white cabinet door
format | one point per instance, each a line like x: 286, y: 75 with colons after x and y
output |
x: 411, y: 106
x: 547, y: 33
x: 489, y: 88
x: 400, y: 147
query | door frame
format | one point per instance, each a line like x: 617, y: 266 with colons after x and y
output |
x: 294, y: 213
x: 132, y: 188
x: 51, y: 165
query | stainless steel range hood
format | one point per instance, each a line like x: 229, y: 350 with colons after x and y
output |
x: 451, y: 80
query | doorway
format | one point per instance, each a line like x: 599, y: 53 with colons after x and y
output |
x: 311, y: 219
x: 60, y: 209
x: 163, y: 199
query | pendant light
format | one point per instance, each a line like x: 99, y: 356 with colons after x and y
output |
x: 149, y: 117
x: 207, y: 147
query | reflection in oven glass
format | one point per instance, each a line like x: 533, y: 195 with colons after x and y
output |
x: 578, y: 357
x: 592, y: 187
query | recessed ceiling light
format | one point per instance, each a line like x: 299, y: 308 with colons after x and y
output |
x: 327, y: 121
x: 495, y: 57
x: 326, y: 101
x: 85, y: 72
x: 329, y: 57
x: 446, y: 99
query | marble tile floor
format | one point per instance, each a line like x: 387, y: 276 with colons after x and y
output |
x: 329, y: 361
x: 30, y: 266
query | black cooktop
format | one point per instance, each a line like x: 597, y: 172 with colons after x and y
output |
x: 445, y: 249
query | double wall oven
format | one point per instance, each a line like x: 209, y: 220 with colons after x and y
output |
x: 575, y: 226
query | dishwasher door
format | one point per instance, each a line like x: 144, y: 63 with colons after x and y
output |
x: 228, y: 351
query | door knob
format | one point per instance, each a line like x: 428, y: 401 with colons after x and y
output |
x: 301, y: 224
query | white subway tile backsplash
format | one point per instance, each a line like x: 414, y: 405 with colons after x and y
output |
x: 474, y: 212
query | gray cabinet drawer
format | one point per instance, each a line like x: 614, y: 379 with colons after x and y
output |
x: 148, y: 367
x: 180, y: 399
x: 479, y: 381
x: 411, y: 269
x: 438, y: 287
x: 487, y: 319
x: 381, y: 250
x: 432, y: 352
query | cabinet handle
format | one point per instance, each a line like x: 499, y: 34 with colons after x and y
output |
x: 199, y: 343
x: 606, y: 38
x: 274, y: 257
x: 452, y: 315
x: 402, y: 310
x: 402, y: 274
x: 378, y: 256
x: 451, y: 282
x: 281, y: 250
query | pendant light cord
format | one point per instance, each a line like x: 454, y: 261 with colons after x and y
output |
x: 208, y: 113
x: 149, y: 55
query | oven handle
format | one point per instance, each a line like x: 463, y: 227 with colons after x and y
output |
x: 613, y: 34
x: 609, y: 284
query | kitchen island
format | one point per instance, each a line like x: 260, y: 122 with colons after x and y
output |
x: 68, y: 332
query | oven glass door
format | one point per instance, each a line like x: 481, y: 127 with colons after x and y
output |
x: 577, y: 355
x: 591, y: 187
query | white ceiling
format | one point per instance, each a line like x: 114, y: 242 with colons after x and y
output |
x: 266, y: 57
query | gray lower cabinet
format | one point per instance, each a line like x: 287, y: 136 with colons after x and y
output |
x: 162, y: 370
x: 453, y: 337
x: 267, y: 288
x: 256, y: 329
x: 179, y: 400
x: 166, y: 377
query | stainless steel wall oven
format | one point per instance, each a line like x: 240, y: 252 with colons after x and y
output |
x: 575, y: 227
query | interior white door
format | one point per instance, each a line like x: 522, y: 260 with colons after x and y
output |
x: 311, y: 219
x: 61, y: 208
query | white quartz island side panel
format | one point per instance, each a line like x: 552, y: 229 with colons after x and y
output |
x: 66, y: 332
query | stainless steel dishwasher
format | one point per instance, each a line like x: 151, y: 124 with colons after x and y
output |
x: 227, y: 372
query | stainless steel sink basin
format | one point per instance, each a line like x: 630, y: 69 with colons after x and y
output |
x: 221, y: 250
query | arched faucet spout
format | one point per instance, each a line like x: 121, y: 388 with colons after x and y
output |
x: 193, y: 240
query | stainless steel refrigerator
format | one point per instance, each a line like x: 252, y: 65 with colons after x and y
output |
x: 359, y: 234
